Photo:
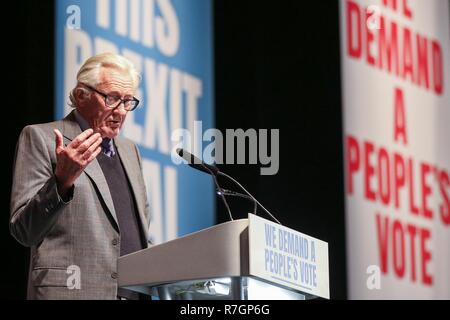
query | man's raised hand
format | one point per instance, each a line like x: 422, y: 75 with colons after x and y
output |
x: 72, y: 159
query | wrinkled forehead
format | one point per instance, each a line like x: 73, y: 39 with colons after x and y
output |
x: 116, y: 80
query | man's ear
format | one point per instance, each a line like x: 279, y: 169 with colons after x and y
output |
x: 82, y: 95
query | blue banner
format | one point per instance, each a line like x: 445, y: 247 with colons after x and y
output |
x: 171, y: 44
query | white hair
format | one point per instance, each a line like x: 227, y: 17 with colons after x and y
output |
x: 89, y: 72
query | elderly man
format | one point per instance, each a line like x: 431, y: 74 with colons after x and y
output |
x: 78, y: 196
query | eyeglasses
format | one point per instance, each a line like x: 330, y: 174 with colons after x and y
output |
x: 113, y: 101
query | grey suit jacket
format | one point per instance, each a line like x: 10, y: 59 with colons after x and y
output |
x: 80, y: 235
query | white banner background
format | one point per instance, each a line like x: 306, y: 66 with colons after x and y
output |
x: 369, y: 94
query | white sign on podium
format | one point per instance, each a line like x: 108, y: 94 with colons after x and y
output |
x: 288, y: 257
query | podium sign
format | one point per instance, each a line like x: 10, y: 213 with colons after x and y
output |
x: 287, y: 257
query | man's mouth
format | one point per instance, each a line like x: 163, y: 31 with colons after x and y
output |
x: 114, y: 123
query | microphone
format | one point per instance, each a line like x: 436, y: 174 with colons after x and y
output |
x: 254, y: 199
x: 198, y: 164
x: 227, y: 192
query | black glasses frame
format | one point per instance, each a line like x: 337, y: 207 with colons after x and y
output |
x: 118, y: 102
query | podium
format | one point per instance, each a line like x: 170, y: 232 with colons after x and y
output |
x: 244, y: 259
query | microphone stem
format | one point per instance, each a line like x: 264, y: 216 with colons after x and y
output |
x: 245, y: 190
x: 223, y: 197
x: 221, y: 191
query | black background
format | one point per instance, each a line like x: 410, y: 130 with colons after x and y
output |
x: 277, y: 66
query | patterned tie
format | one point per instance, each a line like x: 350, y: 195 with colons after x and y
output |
x: 108, y: 147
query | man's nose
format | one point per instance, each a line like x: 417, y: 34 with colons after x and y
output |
x: 120, y: 108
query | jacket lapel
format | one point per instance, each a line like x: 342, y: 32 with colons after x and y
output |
x: 71, y: 130
x: 132, y: 170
